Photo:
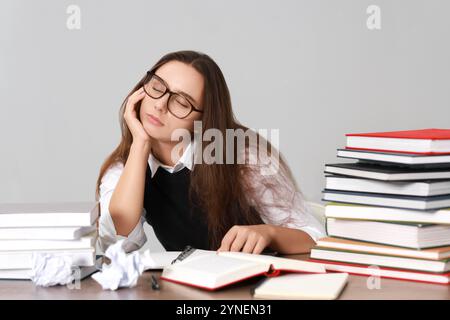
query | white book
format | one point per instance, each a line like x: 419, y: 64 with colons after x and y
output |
x: 214, y: 271
x: 376, y: 171
x: 439, y: 253
x: 411, y: 188
x: 388, y: 200
x: 410, y: 235
x: 56, y: 214
x: 87, y: 241
x: 79, y: 273
x: 23, y: 259
x: 45, y: 233
x: 361, y: 212
x: 326, y: 286
x: 390, y: 157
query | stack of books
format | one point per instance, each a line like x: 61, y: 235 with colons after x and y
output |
x: 389, y: 213
x: 67, y: 229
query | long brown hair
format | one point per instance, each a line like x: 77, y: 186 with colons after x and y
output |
x: 221, y: 189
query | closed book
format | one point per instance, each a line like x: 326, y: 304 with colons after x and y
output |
x: 410, y: 235
x: 55, y: 214
x: 23, y: 259
x: 218, y: 270
x: 439, y: 253
x: 363, y: 212
x: 388, y: 200
x: 79, y: 273
x: 395, y: 158
x: 425, y: 141
x: 437, y: 266
x: 45, y: 233
x: 424, y: 188
x: 383, y: 272
x: 386, y: 173
x: 326, y: 286
x: 84, y: 242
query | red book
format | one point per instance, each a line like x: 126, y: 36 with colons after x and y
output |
x: 425, y: 141
x: 384, y: 272
x: 215, y: 270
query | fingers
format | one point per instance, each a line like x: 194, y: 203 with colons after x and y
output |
x: 243, y: 239
x: 133, y: 99
x: 239, y: 242
x: 131, y: 118
x: 228, y: 239
x: 260, y: 246
x: 251, y: 242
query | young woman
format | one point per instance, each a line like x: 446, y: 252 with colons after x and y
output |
x: 215, y: 206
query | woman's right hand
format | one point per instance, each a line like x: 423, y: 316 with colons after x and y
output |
x: 137, y: 129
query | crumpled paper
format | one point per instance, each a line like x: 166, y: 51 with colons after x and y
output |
x: 49, y: 270
x: 123, y: 271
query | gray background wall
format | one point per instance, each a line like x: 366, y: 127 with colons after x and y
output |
x: 309, y: 68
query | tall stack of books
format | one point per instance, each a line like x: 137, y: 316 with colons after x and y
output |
x: 389, y: 213
x: 60, y: 229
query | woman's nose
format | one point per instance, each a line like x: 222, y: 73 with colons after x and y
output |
x: 161, y: 103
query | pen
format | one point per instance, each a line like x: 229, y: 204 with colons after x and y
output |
x: 155, y: 284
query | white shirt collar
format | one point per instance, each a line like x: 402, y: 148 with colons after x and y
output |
x: 186, y: 161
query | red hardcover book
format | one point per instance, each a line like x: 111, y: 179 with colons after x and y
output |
x: 213, y: 271
x: 384, y: 272
x: 424, y: 141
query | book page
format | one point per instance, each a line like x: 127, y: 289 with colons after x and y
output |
x: 277, y: 263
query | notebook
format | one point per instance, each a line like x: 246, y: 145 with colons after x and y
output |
x: 221, y: 269
x: 302, y: 286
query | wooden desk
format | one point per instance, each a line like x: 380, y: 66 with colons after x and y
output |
x: 356, y: 289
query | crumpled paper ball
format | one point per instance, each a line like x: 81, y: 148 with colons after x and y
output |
x: 123, y: 271
x: 49, y: 270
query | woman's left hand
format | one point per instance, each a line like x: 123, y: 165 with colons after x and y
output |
x: 249, y: 239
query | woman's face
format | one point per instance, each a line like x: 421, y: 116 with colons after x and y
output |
x: 180, y: 78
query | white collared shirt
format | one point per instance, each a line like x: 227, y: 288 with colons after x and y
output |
x: 298, y: 212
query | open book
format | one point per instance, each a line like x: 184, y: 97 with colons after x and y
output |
x: 214, y: 270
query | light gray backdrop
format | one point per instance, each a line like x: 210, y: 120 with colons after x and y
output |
x: 309, y: 68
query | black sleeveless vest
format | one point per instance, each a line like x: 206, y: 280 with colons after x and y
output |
x: 176, y: 221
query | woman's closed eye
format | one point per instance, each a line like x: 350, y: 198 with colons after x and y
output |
x: 158, y: 89
x: 182, y: 102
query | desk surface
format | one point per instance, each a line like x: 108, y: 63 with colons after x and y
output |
x: 90, y: 289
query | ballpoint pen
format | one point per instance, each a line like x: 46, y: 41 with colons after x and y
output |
x: 155, y: 284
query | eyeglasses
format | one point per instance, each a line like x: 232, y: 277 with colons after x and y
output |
x: 177, y: 104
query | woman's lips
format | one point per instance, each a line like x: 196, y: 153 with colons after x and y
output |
x: 154, y: 120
